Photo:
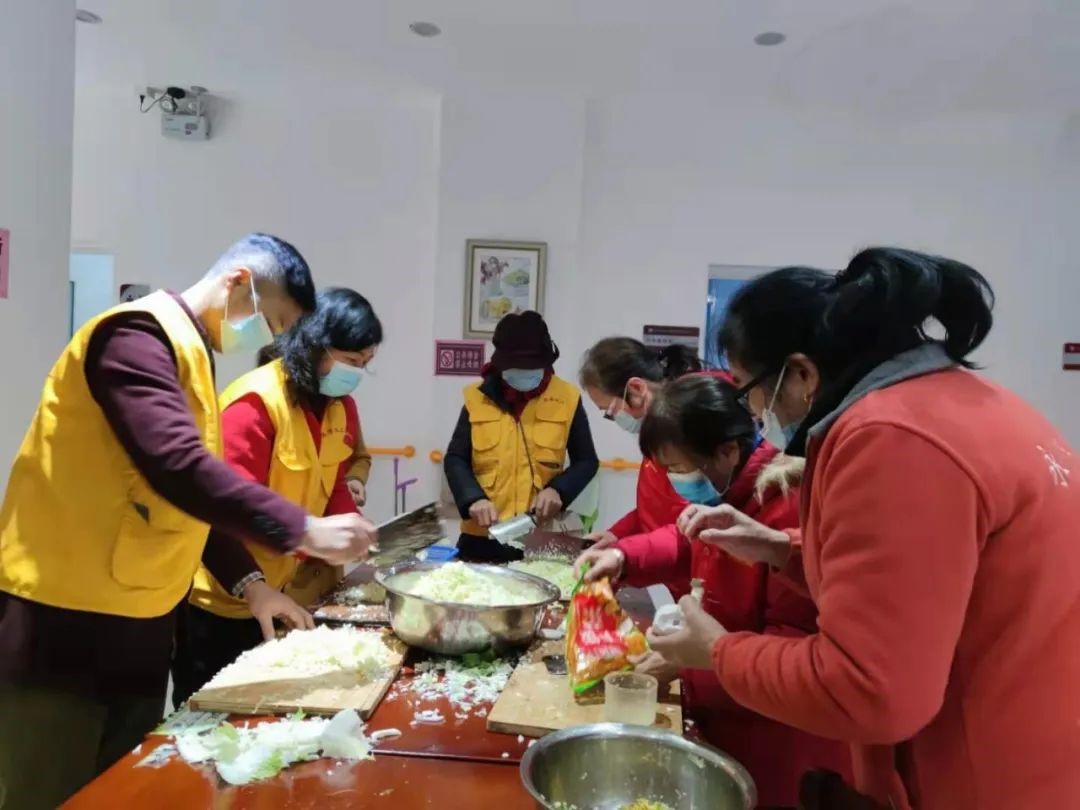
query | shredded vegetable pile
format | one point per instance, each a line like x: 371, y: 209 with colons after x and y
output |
x: 558, y: 573
x: 243, y: 755
x: 458, y: 583
x: 371, y: 593
x: 471, y: 683
x: 308, y: 653
x: 645, y: 804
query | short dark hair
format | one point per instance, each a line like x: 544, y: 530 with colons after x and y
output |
x: 343, y: 319
x: 267, y: 354
x: 876, y: 308
x: 272, y: 259
x: 698, y: 414
x: 610, y: 364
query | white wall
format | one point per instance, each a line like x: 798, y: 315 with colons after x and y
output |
x: 93, y: 287
x: 635, y: 197
x: 37, y: 57
x: 350, y: 180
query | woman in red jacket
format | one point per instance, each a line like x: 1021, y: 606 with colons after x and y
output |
x: 620, y: 376
x: 705, y: 441
x: 939, y: 541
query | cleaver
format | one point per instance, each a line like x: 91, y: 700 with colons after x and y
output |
x: 401, y: 537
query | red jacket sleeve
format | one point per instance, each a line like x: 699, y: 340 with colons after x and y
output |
x: 341, y: 501
x: 627, y: 525
x: 662, y: 555
x: 898, y: 555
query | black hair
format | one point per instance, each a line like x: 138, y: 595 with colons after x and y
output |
x: 267, y: 354
x: 272, y: 259
x: 344, y: 320
x: 613, y: 361
x: 697, y: 414
x: 878, y: 307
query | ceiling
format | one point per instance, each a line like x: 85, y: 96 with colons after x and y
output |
x: 895, y: 57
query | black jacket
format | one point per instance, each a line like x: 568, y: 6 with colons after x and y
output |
x: 569, y: 483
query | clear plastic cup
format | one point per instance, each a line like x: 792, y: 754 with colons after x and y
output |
x: 630, y: 697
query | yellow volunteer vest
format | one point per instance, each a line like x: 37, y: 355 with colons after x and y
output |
x: 512, y: 460
x: 298, y: 472
x: 80, y: 528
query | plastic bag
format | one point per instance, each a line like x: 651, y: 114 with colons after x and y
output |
x: 600, y: 637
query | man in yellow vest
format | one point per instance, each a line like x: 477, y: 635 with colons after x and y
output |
x: 107, y: 510
x: 508, y: 452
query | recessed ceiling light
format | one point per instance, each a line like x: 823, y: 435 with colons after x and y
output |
x: 769, y: 38
x: 425, y: 29
x: 84, y: 16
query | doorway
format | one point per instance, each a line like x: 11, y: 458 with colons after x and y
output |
x: 93, y: 288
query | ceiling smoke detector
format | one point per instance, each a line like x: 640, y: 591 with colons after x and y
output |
x: 88, y: 17
x: 425, y: 29
x: 769, y: 38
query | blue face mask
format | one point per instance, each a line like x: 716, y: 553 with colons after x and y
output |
x: 695, y: 487
x: 523, y: 379
x: 248, y: 335
x: 340, y: 381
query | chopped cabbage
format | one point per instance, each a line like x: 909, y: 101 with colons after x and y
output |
x: 371, y: 593
x: 557, y: 572
x: 310, y: 653
x: 243, y: 755
x: 472, y: 682
x: 460, y: 584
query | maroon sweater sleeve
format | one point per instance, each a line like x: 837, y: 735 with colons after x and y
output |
x: 133, y: 376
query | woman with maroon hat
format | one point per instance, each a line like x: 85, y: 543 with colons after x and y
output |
x: 509, y: 449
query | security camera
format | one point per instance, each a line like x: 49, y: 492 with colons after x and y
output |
x: 172, y: 95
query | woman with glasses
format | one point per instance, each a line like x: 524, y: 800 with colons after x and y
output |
x: 706, y: 444
x: 290, y: 425
x: 938, y: 539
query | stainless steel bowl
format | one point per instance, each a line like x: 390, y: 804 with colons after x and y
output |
x: 607, y: 766
x: 454, y: 629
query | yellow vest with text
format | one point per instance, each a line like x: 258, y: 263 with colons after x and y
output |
x: 513, y: 460
x: 80, y: 528
x: 299, y: 472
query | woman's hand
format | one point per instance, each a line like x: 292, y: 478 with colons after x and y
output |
x: 740, y: 536
x: 484, y: 512
x: 653, y: 663
x: 601, y: 540
x: 266, y: 604
x: 691, y: 646
x: 547, y: 504
x: 606, y: 562
x: 357, y: 490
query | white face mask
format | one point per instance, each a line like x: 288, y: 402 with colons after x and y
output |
x: 623, y: 418
x: 776, y: 434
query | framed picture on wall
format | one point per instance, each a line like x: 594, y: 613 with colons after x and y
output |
x: 500, y: 278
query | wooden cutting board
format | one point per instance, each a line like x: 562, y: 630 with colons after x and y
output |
x: 535, y: 702
x: 324, y: 694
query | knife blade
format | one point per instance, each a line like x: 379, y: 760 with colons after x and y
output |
x: 401, y: 537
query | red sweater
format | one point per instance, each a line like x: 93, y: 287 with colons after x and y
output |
x: 940, y: 544
x: 248, y: 437
x: 743, y: 597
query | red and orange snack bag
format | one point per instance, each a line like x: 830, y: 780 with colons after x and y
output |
x: 600, y: 637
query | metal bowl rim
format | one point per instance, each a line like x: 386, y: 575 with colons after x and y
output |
x: 552, y: 590
x: 618, y: 730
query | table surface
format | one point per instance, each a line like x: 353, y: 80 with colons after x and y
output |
x: 458, y: 764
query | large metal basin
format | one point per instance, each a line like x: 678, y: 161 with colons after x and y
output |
x: 607, y: 766
x: 455, y: 629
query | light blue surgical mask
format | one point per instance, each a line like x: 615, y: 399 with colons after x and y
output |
x: 340, y: 381
x: 776, y: 434
x: 628, y: 422
x: 695, y: 487
x: 523, y: 379
x: 248, y: 335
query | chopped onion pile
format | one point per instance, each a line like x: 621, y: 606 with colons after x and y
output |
x: 458, y: 583
x: 243, y: 755
x: 309, y: 653
x: 558, y: 573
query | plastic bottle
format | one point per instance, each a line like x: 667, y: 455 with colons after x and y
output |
x: 670, y: 618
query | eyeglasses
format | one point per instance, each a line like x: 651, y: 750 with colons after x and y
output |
x: 743, y: 394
